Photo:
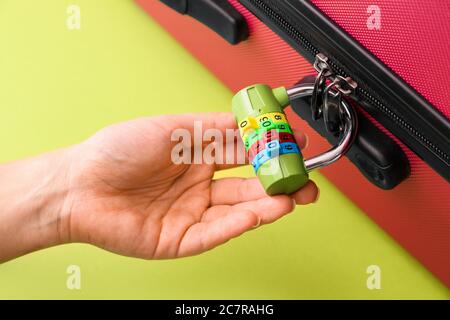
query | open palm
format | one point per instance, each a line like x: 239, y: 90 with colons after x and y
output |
x: 132, y: 199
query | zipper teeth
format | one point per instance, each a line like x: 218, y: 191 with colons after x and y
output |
x: 404, y: 124
x: 306, y: 44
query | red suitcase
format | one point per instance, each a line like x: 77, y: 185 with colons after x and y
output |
x: 397, y: 51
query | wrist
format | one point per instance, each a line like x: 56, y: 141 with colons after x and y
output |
x: 33, y: 201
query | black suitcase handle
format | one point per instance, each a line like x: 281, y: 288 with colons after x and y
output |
x: 218, y: 15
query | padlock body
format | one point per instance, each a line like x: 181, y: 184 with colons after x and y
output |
x: 269, y: 141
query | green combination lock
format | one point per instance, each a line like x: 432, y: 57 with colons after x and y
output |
x: 269, y: 141
x: 268, y: 138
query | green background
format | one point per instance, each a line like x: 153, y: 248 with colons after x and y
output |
x: 57, y: 87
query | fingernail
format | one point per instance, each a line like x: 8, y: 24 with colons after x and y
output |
x: 306, y: 141
x: 317, y: 196
x: 257, y: 224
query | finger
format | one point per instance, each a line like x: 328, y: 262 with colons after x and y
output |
x: 203, y: 121
x: 268, y: 209
x: 240, y: 218
x: 215, y: 212
x: 205, y: 236
x: 220, y: 202
x: 307, y: 194
x: 301, y: 138
x: 220, y: 121
x: 229, y: 151
x: 230, y: 191
x: 234, y: 154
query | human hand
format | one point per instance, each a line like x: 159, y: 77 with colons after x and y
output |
x: 122, y: 192
x: 130, y: 198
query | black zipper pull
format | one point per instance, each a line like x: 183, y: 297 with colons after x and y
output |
x: 324, y: 103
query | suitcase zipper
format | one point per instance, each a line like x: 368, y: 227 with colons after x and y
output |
x: 300, y: 42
